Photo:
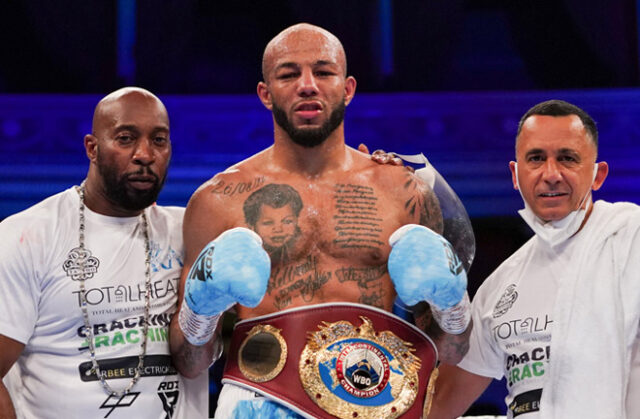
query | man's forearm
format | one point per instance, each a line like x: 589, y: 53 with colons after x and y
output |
x: 6, y: 406
x: 451, y: 348
x: 191, y: 360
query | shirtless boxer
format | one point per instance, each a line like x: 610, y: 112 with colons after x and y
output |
x: 323, y: 211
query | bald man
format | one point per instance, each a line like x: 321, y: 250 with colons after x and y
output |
x: 89, y: 282
x: 324, y: 212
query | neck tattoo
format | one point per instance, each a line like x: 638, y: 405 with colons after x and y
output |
x: 83, y: 303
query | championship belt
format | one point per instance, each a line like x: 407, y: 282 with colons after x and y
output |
x: 335, y: 360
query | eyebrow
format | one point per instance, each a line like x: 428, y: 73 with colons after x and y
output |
x: 293, y: 65
x: 535, y: 151
x: 130, y: 127
x: 568, y: 151
x: 325, y: 62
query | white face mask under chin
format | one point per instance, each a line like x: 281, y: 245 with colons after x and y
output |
x: 558, y: 231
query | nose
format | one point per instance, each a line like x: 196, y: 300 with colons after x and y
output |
x: 307, y: 83
x: 143, y: 152
x: 551, y: 172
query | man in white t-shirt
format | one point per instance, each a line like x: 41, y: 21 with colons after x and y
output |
x: 559, y: 318
x: 88, y: 282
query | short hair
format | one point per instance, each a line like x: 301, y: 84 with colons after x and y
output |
x: 557, y: 107
x: 276, y: 196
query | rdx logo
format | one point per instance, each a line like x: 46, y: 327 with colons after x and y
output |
x: 169, y: 392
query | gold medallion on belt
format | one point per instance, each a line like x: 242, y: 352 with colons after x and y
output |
x: 352, y: 371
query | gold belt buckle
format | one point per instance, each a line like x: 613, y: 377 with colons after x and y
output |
x: 355, y: 372
x: 262, y: 354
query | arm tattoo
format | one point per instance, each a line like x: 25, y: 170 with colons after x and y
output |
x: 430, y: 213
x: 424, y: 204
x: 449, y: 346
x: 195, y: 355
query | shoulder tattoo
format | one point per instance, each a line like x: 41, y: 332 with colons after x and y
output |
x: 423, y: 204
x: 222, y: 187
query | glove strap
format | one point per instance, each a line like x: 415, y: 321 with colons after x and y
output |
x: 197, y: 328
x: 454, y: 320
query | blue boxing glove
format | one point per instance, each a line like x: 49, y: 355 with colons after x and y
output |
x: 233, y: 268
x: 424, y: 267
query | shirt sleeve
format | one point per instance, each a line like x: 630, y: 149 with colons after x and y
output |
x: 484, y: 357
x: 19, y: 286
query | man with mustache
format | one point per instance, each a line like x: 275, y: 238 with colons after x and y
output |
x: 349, y: 207
x: 89, y: 282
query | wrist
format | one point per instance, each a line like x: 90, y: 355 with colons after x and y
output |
x: 197, y: 329
x: 454, y: 320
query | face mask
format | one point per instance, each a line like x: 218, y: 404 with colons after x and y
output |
x: 556, y: 232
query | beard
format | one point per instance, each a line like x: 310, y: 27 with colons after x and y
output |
x: 309, y: 137
x: 120, y: 193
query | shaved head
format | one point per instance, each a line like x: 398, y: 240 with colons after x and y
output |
x: 104, y: 108
x: 297, y: 36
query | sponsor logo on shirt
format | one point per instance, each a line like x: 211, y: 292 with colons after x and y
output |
x: 125, y: 367
x: 171, y: 260
x: 127, y: 331
x: 519, y: 327
x: 526, y: 402
x: 114, y: 402
x: 80, y: 264
x: 506, y: 301
x: 527, y: 365
x: 168, y: 392
x: 127, y: 293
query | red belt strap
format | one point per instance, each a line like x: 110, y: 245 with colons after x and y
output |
x: 297, y: 325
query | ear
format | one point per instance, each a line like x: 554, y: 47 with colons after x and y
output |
x: 512, y: 167
x: 91, y: 147
x: 264, y: 95
x: 603, y: 171
x: 349, y: 89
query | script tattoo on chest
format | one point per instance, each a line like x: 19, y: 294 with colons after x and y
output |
x: 358, y: 224
x: 423, y: 203
x: 302, y: 280
x: 232, y: 188
x: 369, y: 280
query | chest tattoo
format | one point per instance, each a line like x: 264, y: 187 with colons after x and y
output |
x: 357, y: 222
x: 273, y: 211
x: 302, y: 280
x: 232, y: 188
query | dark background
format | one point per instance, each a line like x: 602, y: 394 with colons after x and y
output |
x: 448, y: 78
x: 206, y: 47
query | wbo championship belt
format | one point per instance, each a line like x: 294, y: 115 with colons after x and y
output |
x: 340, y: 360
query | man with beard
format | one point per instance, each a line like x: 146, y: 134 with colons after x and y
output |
x: 349, y: 207
x: 89, y: 282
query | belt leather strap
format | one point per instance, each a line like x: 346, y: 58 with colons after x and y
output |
x: 334, y: 360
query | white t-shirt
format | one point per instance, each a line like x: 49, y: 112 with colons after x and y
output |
x: 40, y: 307
x: 513, y: 321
